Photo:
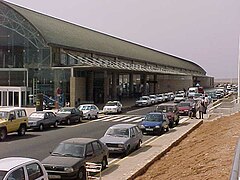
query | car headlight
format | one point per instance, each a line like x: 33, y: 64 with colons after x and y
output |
x: 121, y: 145
x: 68, y: 169
x: 142, y: 126
x: 157, y: 126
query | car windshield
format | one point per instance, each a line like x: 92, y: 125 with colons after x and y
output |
x: 122, y: 132
x: 165, y: 108
x: 37, y: 115
x: 143, y: 98
x: 85, y: 108
x: 2, y: 174
x: 111, y: 104
x: 4, y: 115
x: 179, y: 95
x: 154, y: 117
x: 183, y: 104
x: 64, y: 111
x: 69, y: 149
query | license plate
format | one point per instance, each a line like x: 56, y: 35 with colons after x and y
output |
x: 149, y: 129
x: 54, y: 176
x: 180, y: 111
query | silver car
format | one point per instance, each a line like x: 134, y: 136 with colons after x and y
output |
x: 90, y: 111
x: 122, y: 138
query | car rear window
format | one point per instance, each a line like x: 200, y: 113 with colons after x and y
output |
x: 154, y: 117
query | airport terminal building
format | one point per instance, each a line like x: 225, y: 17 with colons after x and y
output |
x: 42, y: 54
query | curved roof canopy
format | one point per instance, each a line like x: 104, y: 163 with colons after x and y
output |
x: 65, y: 34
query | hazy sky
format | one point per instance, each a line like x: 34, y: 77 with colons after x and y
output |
x: 203, y: 31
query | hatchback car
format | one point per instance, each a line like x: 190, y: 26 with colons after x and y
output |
x: 90, y: 111
x: 122, y: 138
x: 42, y: 119
x: 22, y: 168
x: 171, y: 110
x: 143, y: 101
x: 112, y: 107
x: 155, y: 122
x: 67, y: 161
x: 69, y: 115
x: 184, y: 107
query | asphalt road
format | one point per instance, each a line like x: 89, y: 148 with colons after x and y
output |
x: 38, y: 144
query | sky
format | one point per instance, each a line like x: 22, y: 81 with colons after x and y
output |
x: 203, y: 31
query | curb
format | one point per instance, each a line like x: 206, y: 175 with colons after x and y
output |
x: 175, y: 143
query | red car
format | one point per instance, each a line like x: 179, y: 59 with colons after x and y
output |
x: 184, y: 107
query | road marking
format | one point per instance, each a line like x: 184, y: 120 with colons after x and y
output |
x: 137, y: 110
x: 183, y: 119
x: 120, y: 119
x: 131, y: 119
x: 139, y: 120
x: 111, y: 118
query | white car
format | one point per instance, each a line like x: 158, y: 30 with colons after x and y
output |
x: 144, y: 101
x: 179, y: 97
x: 153, y: 98
x: 112, y: 107
x: 90, y: 111
x: 160, y: 98
x: 22, y: 168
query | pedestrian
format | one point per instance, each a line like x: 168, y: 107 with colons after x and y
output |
x: 192, y: 112
x: 201, y: 108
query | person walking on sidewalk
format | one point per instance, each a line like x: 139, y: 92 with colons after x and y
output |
x: 202, y: 108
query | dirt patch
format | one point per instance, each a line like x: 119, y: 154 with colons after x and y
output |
x: 206, y: 153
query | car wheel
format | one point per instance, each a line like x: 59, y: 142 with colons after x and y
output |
x: 3, y: 134
x: 167, y: 129
x: 56, y: 124
x: 104, y: 162
x: 96, y: 116
x: 68, y: 121
x: 41, y: 127
x: 22, y: 130
x: 82, y: 174
x: 127, y: 152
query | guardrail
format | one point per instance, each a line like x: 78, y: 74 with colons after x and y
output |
x: 236, y: 163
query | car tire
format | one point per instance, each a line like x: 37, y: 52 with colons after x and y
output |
x: 167, y: 129
x: 41, y: 127
x: 104, y: 162
x: 96, y: 116
x: 56, y: 124
x: 22, y: 130
x: 127, y: 152
x: 3, y: 134
x: 81, y: 174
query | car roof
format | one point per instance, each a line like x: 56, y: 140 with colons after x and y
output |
x: 68, y: 108
x: 7, y: 164
x: 87, y: 105
x: 79, y: 140
x: 167, y: 104
x: 123, y: 125
x: 155, y: 113
x: 8, y: 109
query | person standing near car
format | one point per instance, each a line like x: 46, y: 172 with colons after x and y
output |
x: 201, y: 108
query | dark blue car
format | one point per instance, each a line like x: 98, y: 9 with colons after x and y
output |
x: 155, y: 123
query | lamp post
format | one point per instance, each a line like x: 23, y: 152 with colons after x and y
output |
x: 238, y: 100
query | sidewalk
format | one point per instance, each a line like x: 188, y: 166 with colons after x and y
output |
x: 137, y: 162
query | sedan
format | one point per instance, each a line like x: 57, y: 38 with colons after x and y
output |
x: 42, y: 119
x: 67, y: 161
x: 155, y: 122
x: 69, y: 115
x: 21, y: 168
x: 144, y: 101
x: 184, y: 107
x: 112, y: 107
x: 122, y: 138
x: 90, y: 111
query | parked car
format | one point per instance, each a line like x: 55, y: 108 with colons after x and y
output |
x: 20, y: 168
x: 171, y: 94
x: 69, y: 115
x: 67, y: 160
x: 112, y: 107
x: 155, y: 122
x: 42, y: 119
x: 143, y: 101
x: 122, y: 138
x: 153, y: 98
x: 178, y: 98
x: 160, y: 98
x: 12, y: 120
x: 184, y: 107
x: 90, y: 111
x: 171, y: 111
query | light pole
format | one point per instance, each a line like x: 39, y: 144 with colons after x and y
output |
x: 238, y: 100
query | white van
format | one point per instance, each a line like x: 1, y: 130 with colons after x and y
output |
x: 192, y: 91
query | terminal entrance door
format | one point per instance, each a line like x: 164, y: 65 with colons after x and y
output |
x: 13, y: 96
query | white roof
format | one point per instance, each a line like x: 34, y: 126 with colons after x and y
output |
x: 8, y: 109
x: 8, y: 163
